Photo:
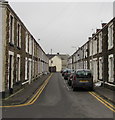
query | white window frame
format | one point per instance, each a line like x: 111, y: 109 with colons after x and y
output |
x: 12, y: 73
x: 85, y: 51
x: 85, y: 64
x: 111, y: 68
x: 26, y: 68
x: 33, y: 68
x: 30, y: 45
x: 33, y: 47
x: 30, y: 70
x: 100, y: 67
x: 19, y: 35
x: 95, y: 70
x: 91, y: 46
x: 91, y: 67
x: 11, y: 32
x: 110, y: 36
x: 100, y: 42
x: 94, y: 46
x: 18, y: 74
x: 27, y: 40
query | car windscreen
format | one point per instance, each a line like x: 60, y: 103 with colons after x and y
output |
x: 83, y: 74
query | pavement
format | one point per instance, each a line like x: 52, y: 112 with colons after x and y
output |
x: 25, y: 94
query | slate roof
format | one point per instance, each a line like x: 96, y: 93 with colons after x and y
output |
x: 62, y: 56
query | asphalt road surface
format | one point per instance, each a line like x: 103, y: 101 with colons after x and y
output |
x: 58, y: 100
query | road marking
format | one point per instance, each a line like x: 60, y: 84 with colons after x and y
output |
x: 13, y: 94
x: 108, y: 105
x: 35, y: 97
x: 104, y: 100
x: 66, y: 85
x: 38, y: 94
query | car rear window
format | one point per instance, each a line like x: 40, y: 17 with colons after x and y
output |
x: 83, y: 74
x: 69, y: 71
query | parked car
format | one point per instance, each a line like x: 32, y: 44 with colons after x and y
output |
x: 67, y: 74
x: 70, y: 78
x: 82, y: 78
x: 63, y: 72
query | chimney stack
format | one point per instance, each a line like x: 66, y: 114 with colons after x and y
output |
x: 90, y: 38
x: 98, y: 30
x: 103, y: 24
x: 93, y: 34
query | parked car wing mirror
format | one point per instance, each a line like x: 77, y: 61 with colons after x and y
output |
x: 77, y: 75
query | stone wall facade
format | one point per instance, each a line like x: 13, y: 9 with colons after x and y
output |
x: 23, y: 58
x: 98, y: 55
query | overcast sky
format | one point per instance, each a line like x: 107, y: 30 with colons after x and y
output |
x: 61, y: 26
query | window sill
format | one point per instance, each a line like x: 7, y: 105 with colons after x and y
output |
x: 110, y: 47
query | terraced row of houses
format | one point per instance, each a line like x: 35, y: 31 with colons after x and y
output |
x: 98, y: 54
x: 21, y: 58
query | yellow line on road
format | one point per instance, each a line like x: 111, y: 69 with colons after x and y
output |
x: 38, y: 94
x: 102, y: 101
x: 35, y: 97
x: 39, y: 90
x: 35, y: 94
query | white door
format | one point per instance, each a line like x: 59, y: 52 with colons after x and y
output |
x: 95, y: 71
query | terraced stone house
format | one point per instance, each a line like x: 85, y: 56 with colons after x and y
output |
x: 22, y: 59
x: 98, y: 54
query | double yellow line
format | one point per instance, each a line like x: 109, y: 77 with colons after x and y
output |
x: 35, y: 97
x: 107, y: 104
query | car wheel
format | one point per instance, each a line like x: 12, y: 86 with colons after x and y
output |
x: 69, y: 83
x: 74, y: 88
x: 91, y: 89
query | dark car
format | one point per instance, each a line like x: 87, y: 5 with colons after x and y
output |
x: 70, y: 78
x: 82, y: 79
x: 67, y: 74
x: 63, y: 72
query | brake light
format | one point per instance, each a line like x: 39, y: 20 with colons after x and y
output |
x: 74, y: 78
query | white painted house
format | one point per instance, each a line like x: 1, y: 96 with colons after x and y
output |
x: 56, y: 61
